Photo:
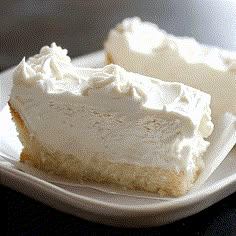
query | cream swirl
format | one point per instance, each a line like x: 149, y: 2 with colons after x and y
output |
x: 52, y: 62
x: 117, y: 82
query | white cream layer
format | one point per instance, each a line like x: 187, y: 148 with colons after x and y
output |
x: 122, y: 116
x: 143, y: 48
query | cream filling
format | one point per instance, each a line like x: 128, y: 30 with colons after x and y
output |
x: 109, y: 111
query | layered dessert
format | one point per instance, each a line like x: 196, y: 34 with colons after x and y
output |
x: 108, y: 125
x: 144, y: 48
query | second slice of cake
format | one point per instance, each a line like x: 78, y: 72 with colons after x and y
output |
x: 108, y: 125
x: 142, y: 47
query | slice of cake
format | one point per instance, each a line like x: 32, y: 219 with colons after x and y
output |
x: 143, y: 48
x: 108, y: 125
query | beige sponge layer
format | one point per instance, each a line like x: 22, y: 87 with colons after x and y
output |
x: 96, y: 168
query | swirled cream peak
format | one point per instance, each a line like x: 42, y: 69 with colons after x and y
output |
x: 51, y: 62
x: 117, y: 82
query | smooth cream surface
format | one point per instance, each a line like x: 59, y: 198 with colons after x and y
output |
x: 122, y: 116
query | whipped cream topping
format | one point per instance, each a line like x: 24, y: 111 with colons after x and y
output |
x: 117, y: 83
x: 51, y: 62
x: 123, y: 116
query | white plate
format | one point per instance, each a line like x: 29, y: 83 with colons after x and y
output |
x: 109, y: 208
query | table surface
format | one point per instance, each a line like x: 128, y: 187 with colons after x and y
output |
x: 81, y: 27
